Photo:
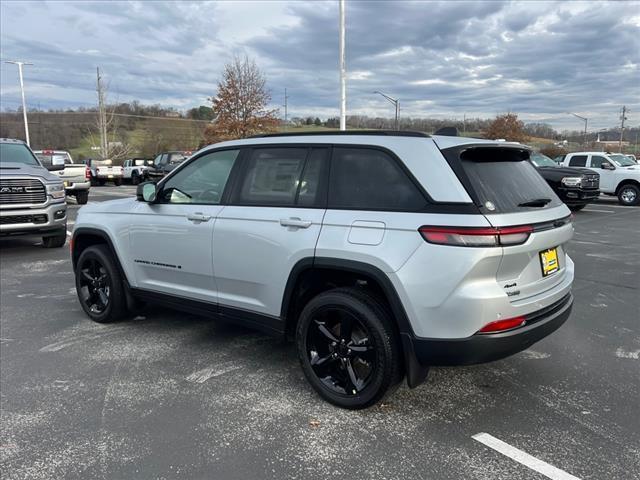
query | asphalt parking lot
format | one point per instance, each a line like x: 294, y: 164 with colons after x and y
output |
x: 170, y: 395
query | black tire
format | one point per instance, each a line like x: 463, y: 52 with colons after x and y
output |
x: 82, y: 197
x: 99, y: 285
x: 94, y: 181
x: 117, y: 182
x: 101, y: 182
x: 576, y: 208
x: 56, y: 241
x: 328, y: 354
x: 135, y: 178
x: 629, y: 195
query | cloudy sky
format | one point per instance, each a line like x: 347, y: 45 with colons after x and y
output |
x: 442, y: 59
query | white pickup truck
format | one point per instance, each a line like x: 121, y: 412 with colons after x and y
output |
x: 103, y: 171
x: 75, y: 176
x: 619, y: 175
x: 136, y: 170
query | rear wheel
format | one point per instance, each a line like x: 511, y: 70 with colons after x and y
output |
x: 117, y: 182
x: 101, y: 182
x: 348, y: 348
x: 629, y: 194
x: 56, y: 241
x: 82, y: 197
x: 99, y: 285
x: 575, y: 208
x: 135, y: 178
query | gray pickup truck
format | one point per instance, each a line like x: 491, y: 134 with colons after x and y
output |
x: 32, y: 200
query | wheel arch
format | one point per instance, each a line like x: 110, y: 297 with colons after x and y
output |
x: 310, y: 276
x: 627, y: 181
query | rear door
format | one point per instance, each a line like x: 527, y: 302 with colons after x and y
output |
x: 510, y: 192
x: 272, y: 221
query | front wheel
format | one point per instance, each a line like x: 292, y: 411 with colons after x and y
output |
x: 629, y: 195
x: 348, y: 348
x: 54, y: 242
x: 117, y: 182
x: 135, y: 178
x: 99, y: 285
x: 576, y: 208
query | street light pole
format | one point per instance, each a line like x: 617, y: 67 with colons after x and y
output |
x: 343, y: 72
x: 24, y: 103
x: 396, y: 102
x: 585, y: 120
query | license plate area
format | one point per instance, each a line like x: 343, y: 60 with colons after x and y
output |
x: 549, y: 261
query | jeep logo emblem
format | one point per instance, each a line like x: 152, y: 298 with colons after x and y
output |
x: 12, y: 190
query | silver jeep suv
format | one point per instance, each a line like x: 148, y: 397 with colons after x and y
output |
x: 380, y: 253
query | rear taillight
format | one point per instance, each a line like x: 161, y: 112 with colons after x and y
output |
x: 503, y: 325
x: 476, y: 236
x: 87, y: 173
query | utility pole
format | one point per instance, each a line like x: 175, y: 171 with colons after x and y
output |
x: 286, y: 98
x: 343, y: 72
x: 102, y: 117
x: 464, y: 124
x: 623, y: 117
x: 24, y: 103
x: 585, y: 120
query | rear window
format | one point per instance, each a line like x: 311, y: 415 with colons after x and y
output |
x: 505, y: 181
x: 54, y: 158
x: 578, y: 161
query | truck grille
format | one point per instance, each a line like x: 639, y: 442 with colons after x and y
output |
x: 21, y: 190
x: 13, y: 219
x: 591, y: 181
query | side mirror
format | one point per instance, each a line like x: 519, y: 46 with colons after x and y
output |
x: 146, y: 192
x: 607, y: 166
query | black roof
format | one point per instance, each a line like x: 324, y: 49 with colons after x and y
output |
x: 11, y: 140
x: 390, y: 133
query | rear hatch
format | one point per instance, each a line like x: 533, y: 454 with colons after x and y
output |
x: 509, y: 192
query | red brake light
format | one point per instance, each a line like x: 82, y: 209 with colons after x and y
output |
x: 47, y: 152
x: 476, y: 236
x: 87, y: 173
x: 503, y: 325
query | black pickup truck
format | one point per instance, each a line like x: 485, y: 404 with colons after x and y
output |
x: 575, y: 186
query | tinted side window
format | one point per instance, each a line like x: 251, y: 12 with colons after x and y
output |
x: 370, y: 179
x: 578, y: 161
x: 202, y: 181
x: 272, y: 176
x: 312, y: 189
x: 597, y: 161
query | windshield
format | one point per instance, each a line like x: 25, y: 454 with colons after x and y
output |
x: 540, y: 160
x: 17, y: 153
x: 621, y: 160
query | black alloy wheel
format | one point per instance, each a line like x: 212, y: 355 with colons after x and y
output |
x: 348, y: 347
x: 99, y: 285
x: 340, y: 351
x: 95, y: 286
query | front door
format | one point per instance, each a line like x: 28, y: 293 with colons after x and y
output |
x: 272, y: 222
x: 172, y: 239
x: 607, y: 177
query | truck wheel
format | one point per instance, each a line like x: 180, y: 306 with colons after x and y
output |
x: 629, y: 194
x: 82, y: 197
x: 54, y: 242
x: 101, y: 182
x: 93, y: 180
x: 135, y: 178
x: 99, y: 285
x: 575, y: 208
x: 348, y: 348
x: 117, y: 182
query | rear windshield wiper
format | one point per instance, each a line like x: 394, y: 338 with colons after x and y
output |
x: 538, y: 202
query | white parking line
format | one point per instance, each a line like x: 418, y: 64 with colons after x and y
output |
x: 594, y: 210
x: 524, y: 458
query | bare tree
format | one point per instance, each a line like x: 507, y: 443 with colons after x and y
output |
x: 113, y: 143
x: 240, y: 105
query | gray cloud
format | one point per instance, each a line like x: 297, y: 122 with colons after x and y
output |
x: 540, y: 59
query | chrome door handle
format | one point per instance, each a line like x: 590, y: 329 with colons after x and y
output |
x: 295, y: 222
x: 198, y: 217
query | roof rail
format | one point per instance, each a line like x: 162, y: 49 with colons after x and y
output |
x: 391, y: 133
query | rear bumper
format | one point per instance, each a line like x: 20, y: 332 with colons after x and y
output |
x: 77, y: 186
x: 481, y: 348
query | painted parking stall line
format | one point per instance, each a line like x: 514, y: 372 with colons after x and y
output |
x: 524, y: 458
x: 599, y: 211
